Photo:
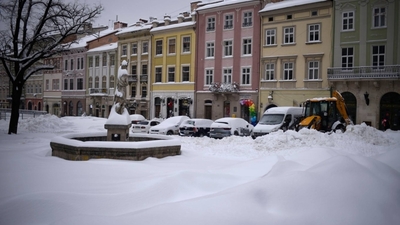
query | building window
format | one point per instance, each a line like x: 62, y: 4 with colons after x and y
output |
x: 134, y: 48
x: 90, y: 61
x: 379, y: 17
x: 56, y: 84
x: 347, y: 21
x: 314, y: 33
x: 96, y: 82
x: 65, y: 84
x: 104, y: 61
x: 134, y: 69
x: 133, y: 91
x: 247, y: 46
x: 313, y: 70
x: 314, y: 13
x: 378, y: 56
x: 159, y: 47
x: 228, y: 48
x: 124, y: 50
x: 186, y: 45
x: 71, y: 84
x: 112, y: 83
x: 270, y: 37
x: 245, y: 76
x: 144, y: 91
x: 289, y: 17
x: 247, y: 19
x: 227, y: 76
x: 288, y: 72
x: 171, y: 74
x: 209, y: 76
x: 270, y: 71
x: 96, y: 61
x: 210, y: 23
x: 144, y: 69
x: 171, y: 46
x: 288, y: 35
x: 210, y: 50
x: 72, y: 64
x: 90, y: 82
x: 66, y: 64
x: 347, y: 58
x: 158, y: 74
x: 104, y: 82
x: 185, y: 73
x: 228, y: 22
x: 112, y: 60
x: 79, y: 84
x: 47, y: 85
x: 145, y: 47
x: 270, y: 19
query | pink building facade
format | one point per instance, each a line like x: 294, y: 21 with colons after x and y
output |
x: 228, y: 57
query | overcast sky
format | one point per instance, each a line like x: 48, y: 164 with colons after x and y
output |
x: 131, y: 11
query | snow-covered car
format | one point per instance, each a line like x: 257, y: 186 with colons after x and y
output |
x: 135, y: 118
x: 227, y: 126
x: 144, y: 126
x: 169, y: 126
x: 195, y: 127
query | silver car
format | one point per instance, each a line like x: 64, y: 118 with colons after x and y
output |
x: 228, y: 126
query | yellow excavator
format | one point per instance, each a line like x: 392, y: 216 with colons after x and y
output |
x: 327, y: 114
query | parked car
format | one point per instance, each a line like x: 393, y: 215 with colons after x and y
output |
x: 135, y: 118
x: 227, y: 126
x: 144, y: 126
x: 169, y: 126
x: 195, y: 127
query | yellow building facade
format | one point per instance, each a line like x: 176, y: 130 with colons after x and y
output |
x: 296, y: 52
x: 173, y: 57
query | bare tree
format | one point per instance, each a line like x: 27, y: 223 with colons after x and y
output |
x: 36, y: 30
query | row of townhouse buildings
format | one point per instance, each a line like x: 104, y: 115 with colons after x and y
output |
x: 231, y: 58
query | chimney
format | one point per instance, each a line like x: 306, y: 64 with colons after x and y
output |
x: 154, y: 21
x: 167, y: 19
x: 186, y: 14
x: 118, y: 25
x: 180, y: 18
x: 193, y: 5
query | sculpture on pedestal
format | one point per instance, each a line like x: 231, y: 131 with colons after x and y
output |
x: 120, y: 92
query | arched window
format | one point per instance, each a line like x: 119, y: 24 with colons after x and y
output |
x: 351, y: 104
x: 96, y: 82
x: 104, y: 82
x: 90, y: 82
x: 390, y: 108
x: 71, y: 108
x: 79, y: 108
x: 112, y: 82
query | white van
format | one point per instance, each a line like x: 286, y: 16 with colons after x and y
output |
x: 277, y: 118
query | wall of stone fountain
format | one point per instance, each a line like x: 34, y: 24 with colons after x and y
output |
x: 79, y: 147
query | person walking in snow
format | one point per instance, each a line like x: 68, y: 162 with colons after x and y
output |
x: 385, y: 122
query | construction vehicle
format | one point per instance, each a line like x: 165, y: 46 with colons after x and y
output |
x: 327, y: 114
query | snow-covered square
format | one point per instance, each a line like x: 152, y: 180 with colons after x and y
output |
x: 283, y: 178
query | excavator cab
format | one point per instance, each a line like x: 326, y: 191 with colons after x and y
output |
x: 325, y: 114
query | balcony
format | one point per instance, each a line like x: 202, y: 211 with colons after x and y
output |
x: 132, y: 78
x: 224, y: 88
x: 144, y: 78
x: 228, y: 26
x: 365, y: 73
x: 248, y: 24
x: 98, y: 91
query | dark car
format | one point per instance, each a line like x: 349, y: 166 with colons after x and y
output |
x: 195, y: 127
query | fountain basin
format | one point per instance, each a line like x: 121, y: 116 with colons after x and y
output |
x: 85, y: 146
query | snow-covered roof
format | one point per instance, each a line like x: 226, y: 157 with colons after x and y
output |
x: 172, y: 26
x: 287, y: 3
x: 82, y: 42
x: 210, y: 5
x: 135, y: 28
x: 103, y: 48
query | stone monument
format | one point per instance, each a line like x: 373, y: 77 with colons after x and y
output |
x: 118, y: 122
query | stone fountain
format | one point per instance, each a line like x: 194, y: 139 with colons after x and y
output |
x: 117, y: 142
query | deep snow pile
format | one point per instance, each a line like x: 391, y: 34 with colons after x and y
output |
x: 283, y: 178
